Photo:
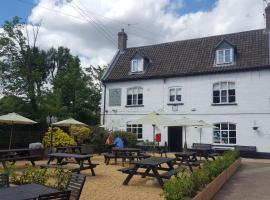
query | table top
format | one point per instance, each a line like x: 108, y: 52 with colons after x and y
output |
x: 69, y: 155
x: 185, y: 153
x: 69, y: 147
x: 153, y: 161
x: 127, y: 149
x: 22, y: 192
x: 14, y: 150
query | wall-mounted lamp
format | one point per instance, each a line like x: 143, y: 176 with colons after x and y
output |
x: 255, y: 126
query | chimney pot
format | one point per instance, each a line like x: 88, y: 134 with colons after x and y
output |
x: 122, y: 40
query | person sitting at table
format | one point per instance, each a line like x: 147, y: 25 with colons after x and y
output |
x: 118, y: 142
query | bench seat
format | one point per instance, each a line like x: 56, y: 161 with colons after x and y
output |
x: 172, y: 172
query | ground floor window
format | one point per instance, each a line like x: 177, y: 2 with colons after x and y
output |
x: 225, y: 133
x: 135, y: 128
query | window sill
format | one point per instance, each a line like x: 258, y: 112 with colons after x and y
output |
x: 174, y: 104
x: 130, y: 106
x: 224, y: 104
x: 134, y: 73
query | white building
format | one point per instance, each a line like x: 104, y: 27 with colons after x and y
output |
x: 223, y: 80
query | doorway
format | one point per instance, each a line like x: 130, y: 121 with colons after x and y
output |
x: 175, y: 139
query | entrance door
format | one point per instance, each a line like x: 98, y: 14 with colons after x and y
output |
x: 175, y: 138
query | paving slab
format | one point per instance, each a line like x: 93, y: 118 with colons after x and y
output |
x: 250, y: 182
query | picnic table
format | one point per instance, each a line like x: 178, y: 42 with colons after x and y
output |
x: 23, y: 192
x: 79, y: 159
x: 187, y: 158
x: 153, y: 165
x: 13, y: 155
x: 69, y: 149
x: 124, y: 153
x: 204, y: 152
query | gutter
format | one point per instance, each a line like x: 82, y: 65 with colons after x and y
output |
x: 104, y: 105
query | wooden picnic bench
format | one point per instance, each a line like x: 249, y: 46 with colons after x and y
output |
x: 151, y: 167
x: 84, y: 161
x: 13, y: 155
x: 187, y: 158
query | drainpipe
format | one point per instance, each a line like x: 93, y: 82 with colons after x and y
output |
x: 104, y: 104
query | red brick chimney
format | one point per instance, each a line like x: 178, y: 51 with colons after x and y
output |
x: 122, y: 40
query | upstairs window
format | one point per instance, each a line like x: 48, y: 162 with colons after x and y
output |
x: 175, y: 95
x: 224, y: 93
x: 225, y: 133
x: 224, y: 56
x: 136, y: 129
x: 135, y: 96
x: 137, y: 65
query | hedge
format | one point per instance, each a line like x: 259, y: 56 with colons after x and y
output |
x: 187, y: 184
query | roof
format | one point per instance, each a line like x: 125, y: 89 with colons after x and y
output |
x: 193, y: 57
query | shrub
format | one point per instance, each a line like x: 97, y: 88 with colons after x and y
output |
x: 80, y: 133
x: 59, y: 138
x: 187, y: 183
x: 61, y: 178
x: 130, y: 138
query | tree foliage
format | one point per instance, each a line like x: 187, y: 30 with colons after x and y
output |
x: 39, y: 83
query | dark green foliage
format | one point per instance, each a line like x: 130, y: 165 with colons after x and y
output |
x: 187, y: 184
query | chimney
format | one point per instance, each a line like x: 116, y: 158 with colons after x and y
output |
x: 122, y: 40
x: 267, y: 17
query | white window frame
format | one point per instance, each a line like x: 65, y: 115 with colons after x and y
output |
x: 175, y: 88
x: 223, y: 60
x: 135, y: 92
x: 228, y: 130
x: 227, y: 89
x: 137, y: 65
x: 135, y: 128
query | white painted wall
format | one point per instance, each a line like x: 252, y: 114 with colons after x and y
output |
x: 252, y: 98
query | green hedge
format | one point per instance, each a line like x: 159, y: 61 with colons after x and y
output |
x: 187, y: 184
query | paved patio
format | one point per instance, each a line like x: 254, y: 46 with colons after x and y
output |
x: 250, y: 182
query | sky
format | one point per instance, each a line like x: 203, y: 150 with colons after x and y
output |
x: 89, y: 27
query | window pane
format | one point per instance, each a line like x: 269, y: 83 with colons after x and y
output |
x: 140, y: 65
x: 139, y: 130
x: 140, y: 90
x: 232, y: 140
x: 220, y: 55
x: 129, y: 91
x: 228, y: 58
x: 178, y: 97
x: 172, y: 91
x: 224, y: 134
x: 224, y: 93
x: 232, y: 133
x: 231, y: 92
x: 217, y: 125
x: 216, y: 86
x: 134, y: 100
x: 232, y: 126
x: 224, y: 85
x: 231, y: 85
x: 140, y: 101
x: 139, y: 136
x: 135, y: 90
x: 216, y: 134
x: 216, y: 100
x: 224, y: 140
x: 129, y: 99
x: 231, y: 99
x: 134, y: 65
x: 129, y: 130
x: 224, y: 126
x: 216, y: 93
x: 223, y: 99
x: 178, y: 91
x: 140, y: 96
x: 172, y: 98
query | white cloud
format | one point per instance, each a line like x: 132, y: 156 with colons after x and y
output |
x: 152, y: 21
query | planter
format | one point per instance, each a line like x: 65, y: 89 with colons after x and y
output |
x: 212, y: 188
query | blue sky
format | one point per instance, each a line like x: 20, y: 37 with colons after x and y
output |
x: 22, y: 8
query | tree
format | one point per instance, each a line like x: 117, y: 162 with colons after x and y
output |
x: 23, y: 66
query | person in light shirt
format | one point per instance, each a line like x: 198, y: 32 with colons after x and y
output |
x: 118, y: 142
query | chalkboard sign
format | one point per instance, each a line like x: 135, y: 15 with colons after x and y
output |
x: 115, y: 97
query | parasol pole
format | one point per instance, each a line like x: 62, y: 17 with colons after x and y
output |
x: 11, y: 133
x: 185, y: 145
x: 154, y: 129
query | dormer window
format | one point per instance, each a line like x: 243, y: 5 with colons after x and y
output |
x: 224, y: 56
x: 137, y: 65
x: 225, y: 53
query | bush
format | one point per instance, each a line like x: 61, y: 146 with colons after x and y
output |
x: 187, y: 184
x: 130, y: 138
x: 59, y: 138
x: 80, y: 133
